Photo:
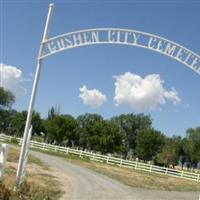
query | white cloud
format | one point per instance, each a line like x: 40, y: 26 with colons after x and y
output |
x: 142, y: 94
x: 93, y: 98
x: 11, y: 79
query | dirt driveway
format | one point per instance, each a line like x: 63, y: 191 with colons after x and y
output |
x: 83, y: 184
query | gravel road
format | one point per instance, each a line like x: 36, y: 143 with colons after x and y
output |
x: 84, y: 184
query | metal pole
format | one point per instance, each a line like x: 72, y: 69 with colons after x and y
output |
x: 32, y: 100
x: 26, y: 155
x: 3, y: 158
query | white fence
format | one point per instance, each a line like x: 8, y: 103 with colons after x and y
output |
x: 3, y: 158
x: 110, y: 160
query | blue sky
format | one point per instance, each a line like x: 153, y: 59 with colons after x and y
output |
x: 22, y: 24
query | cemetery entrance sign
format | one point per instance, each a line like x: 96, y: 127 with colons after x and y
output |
x: 124, y: 37
x: 50, y: 46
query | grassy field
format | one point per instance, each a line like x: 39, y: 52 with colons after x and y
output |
x: 133, y: 178
x: 39, y: 184
x: 141, y: 179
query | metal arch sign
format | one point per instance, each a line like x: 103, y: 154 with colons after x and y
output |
x: 122, y: 37
x: 50, y: 46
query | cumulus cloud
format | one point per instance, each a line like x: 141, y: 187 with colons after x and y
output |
x: 11, y: 79
x: 93, y: 98
x: 142, y: 94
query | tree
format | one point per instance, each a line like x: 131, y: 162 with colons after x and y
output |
x: 19, y: 121
x: 148, y: 144
x: 71, y: 134
x: 6, y: 113
x: 105, y: 137
x: 54, y: 111
x: 6, y: 98
x: 87, y: 120
x: 171, y: 152
x: 85, y: 123
x: 37, y: 124
x: 6, y: 118
x: 130, y: 125
x: 98, y: 134
x: 60, y: 129
x: 192, y: 144
x: 184, y: 156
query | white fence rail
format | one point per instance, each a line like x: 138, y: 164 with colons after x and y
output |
x: 109, y: 159
x: 3, y: 158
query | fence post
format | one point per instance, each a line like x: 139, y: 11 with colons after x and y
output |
x: 107, y: 161
x: 80, y: 155
x: 166, y: 171
x: 136, y: 164
x: 43, y: 146
x: 198, y: 179
x: 67, y: 150
x: 32, y: 144
x: 93, y: 157
x: 120, y: 162
x: 182, y: 173
x: 151, y: 168
x: 3, y: 158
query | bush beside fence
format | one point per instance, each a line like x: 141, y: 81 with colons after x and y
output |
x: 109, y: 159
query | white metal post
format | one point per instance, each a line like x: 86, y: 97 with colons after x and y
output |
x: 3, y: 158
x: 32, y: 100
x: 26, y: 154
